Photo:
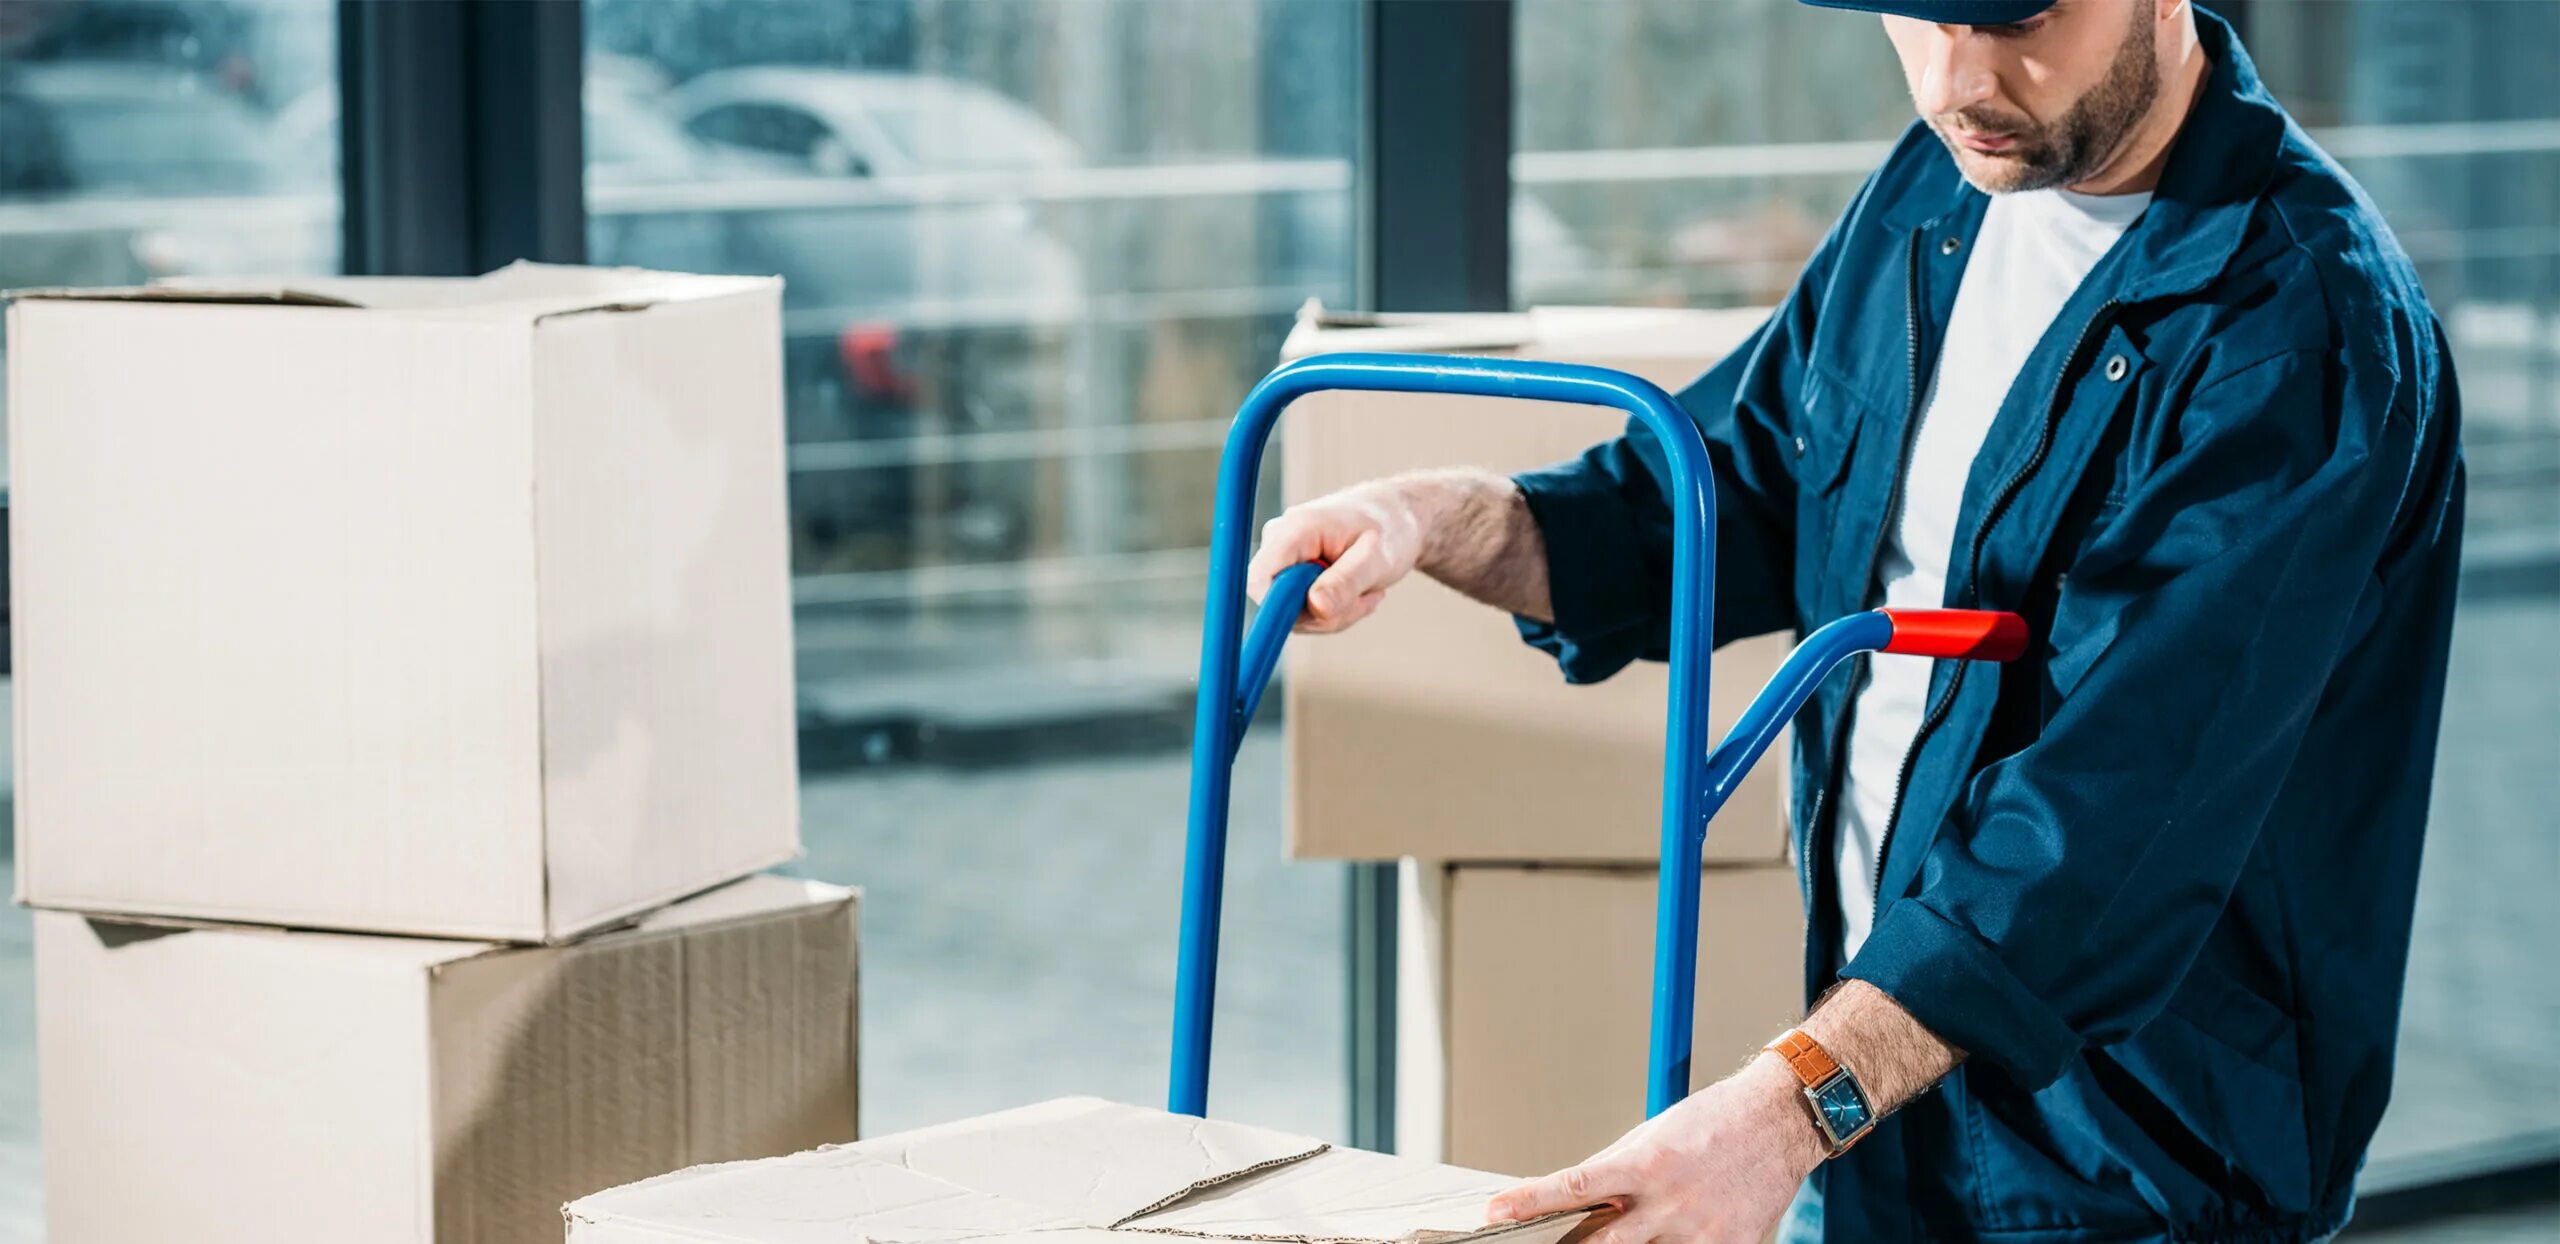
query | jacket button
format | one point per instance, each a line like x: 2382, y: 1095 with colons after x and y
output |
x: 1799, y: 446
x: 2117, y: 367
x: 1950, y: 246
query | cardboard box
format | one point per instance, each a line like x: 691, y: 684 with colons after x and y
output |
x: 1430, y: 730
x: 217, y: 1084
x: 1074, y: 1169
x: 1524, y: 1002
x: 449, y: 607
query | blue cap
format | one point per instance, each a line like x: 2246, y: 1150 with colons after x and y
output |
x: 1951, y: 12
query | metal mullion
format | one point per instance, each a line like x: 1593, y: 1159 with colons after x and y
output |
x: 1434, y: 193
x: 461, y: 134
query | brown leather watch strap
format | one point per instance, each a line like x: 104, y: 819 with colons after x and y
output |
x: 1812, y: 1063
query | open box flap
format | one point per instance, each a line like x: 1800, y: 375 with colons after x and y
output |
x: 1075, y: 1166
x: 118, y: 929
x: 519, y: 292
x: 1346, y: 1194
x: 235, y: 292
x: 1603, y: 334
x: 1322, y: 331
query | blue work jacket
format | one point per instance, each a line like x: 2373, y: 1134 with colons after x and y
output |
x: 2155, y: 878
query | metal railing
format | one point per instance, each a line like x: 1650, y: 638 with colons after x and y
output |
x: 1204, y: 179
x: 1250, y: 179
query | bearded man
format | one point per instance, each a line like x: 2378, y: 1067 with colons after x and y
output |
x: 2109, y: 942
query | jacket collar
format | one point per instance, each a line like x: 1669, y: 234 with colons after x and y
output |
x: 2220, y: 164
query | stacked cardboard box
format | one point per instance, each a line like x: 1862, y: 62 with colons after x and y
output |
x: 403, y: 707
x: 1528, y: 811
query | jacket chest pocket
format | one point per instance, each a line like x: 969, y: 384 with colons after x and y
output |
x: 2062, y: 496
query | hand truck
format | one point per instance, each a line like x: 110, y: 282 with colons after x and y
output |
x: 1236, y: 666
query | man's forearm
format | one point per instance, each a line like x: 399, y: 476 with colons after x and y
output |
x: 1893, y: 1056
x: 1480, y: 539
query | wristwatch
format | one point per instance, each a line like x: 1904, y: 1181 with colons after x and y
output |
x: 1840, y: 1109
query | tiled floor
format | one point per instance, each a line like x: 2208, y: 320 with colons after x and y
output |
x: 2479, y: 1062
x: 2532, y: 1224
x: 1018, y: 941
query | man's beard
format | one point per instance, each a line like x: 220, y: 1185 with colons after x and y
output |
x: 2074, y: 148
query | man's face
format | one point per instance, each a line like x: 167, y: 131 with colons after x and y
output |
x: 2044, y: 102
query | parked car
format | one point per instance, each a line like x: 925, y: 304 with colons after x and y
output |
x: 78, y: 134
x: 630, y: 142
x: 929, y: 273
x: 953, y: 305
x: 913, y: 314
x: 87, y: 146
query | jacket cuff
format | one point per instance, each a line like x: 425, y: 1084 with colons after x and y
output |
x: 1596, y: 580
x: 1947, y: 977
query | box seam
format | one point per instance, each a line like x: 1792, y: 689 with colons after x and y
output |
x: 1493, y: 1231
x: 1198, y: 1186
x: 431, y: 1114
x: 19, y: 743
x: 546, y: 917
x: 634, y: 935
x: 1614, y: 868
x: 729, y: 874
x: 217, y: 916
x: 684, y: 1034
x: 853, y: 1007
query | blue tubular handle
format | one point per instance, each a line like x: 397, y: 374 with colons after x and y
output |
x: 1279, y: 612
x: 1235, y: 669
x: 1788, y: 689
x: 1218, y: 720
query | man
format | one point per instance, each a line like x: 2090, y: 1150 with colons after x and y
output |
x: 2107, y: 342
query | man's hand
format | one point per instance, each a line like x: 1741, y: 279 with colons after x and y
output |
x: 1372, y: 536
x: 1719, y: 1168
x: 1467, y: 528
x: 1722, y: 1165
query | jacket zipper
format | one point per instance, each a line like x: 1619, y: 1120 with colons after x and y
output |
x: 1911, y: 407
x: 1892, y: 503
x: 2008, y: 492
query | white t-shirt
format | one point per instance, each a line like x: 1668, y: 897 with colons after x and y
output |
x: 2034, y: 249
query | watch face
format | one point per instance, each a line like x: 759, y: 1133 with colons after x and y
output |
x: 1843, y: 1107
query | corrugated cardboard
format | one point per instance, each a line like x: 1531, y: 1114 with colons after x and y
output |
x: 1524, y: 995
x: 236, y: 1084
x: 1076, y: 1170
x: 1430, y: 730
x: 449, y: 607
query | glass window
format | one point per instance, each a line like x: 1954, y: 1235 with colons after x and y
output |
x: 1683, y: 157
x: 141, y: 139
x: 1034, y: 253
x: 1673, y: 153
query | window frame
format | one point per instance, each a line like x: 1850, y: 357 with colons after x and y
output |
x: 462, y: 143
x: 463, y: 150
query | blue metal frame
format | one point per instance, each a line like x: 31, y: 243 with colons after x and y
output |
x: 1236, y: 666
x: 1218, y: 723
x: 1262, y: 644
x: 1787, y: 690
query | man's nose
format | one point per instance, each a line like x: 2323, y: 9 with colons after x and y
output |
x: 1958, y: 72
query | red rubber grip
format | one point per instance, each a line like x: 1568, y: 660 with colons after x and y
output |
x: 1964, y: 634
